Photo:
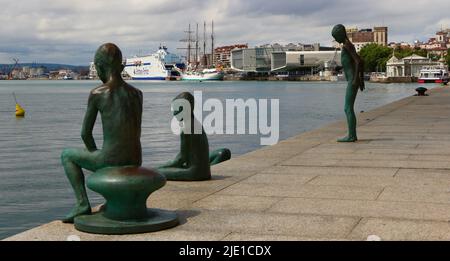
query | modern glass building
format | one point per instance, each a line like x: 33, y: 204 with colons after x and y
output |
x: 277, y: 59
x: 253, y: 59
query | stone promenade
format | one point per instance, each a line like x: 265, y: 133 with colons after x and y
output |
x: 393, y: 183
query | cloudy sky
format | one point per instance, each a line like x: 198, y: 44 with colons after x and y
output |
x: 69, y: 31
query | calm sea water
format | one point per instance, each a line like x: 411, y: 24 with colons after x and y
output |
x: 33, y: 187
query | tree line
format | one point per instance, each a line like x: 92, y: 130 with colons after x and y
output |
x: 375, y: 56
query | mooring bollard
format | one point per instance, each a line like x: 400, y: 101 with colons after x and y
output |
x: 421, y: 91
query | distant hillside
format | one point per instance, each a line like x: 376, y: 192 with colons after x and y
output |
x: 48, y: 66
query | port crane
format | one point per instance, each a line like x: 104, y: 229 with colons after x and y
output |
x: 14, y: 66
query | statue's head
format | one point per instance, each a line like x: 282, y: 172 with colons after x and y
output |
x: 108, y: 61
x: 339, y: 33
x: 180, y: 104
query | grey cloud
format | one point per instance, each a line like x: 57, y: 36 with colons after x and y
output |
x: 70, y: 31
x: 279, y: 7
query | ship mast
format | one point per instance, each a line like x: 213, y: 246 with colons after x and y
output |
x: 189, y: 41
x: 212, y: 42
x: 189, y: 44
x: 196, y: 47
x: 205, y: 60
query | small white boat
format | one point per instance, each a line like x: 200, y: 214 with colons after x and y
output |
x: 205, y: 75
x: 434, y: 74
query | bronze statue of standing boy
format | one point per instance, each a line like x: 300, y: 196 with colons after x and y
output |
x: 354, y: 73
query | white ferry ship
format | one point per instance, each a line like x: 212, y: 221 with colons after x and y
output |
x: 161, y: 65
x: 434, y: 74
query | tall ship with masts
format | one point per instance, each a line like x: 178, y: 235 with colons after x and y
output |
x: 200, y: 67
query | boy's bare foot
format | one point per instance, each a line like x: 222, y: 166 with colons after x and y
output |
x: 78, y: 210
x: 348, y: 139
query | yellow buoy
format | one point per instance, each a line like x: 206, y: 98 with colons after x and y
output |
x: 20, y: 112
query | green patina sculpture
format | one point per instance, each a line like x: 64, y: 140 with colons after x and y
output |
x: 118, y: 175
x: 193, y: 161
x: 354, y: 73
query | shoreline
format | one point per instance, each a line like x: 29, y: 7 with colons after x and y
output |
x: 243, y: 182
x: 311, y: 78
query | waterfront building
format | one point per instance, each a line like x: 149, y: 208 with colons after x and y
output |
x: 442, y: 38
x: 18, y: 74
x: 256, y: 59
x: 401, y: 45
x: 259, y: 59
x: 351, y: 30
x: 222, y: 55
x: 437, y: 45
x: 40, y: 71
x: 280, y: 60
x: 92, y: 72
x: 36, y: 72
x: 206, y: 60
x: 432, y: 44
x: 363, y: 37
x: 380, y: 35
x: 26, y: 70
x: 407, y: 67
x: 31, y: 72
x: 53, y: 75
x: 63, y: 74
x: 306, y: 61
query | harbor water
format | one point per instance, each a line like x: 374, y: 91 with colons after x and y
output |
x: 33, y: 187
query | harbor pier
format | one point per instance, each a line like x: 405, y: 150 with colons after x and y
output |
x: 394, y: 183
